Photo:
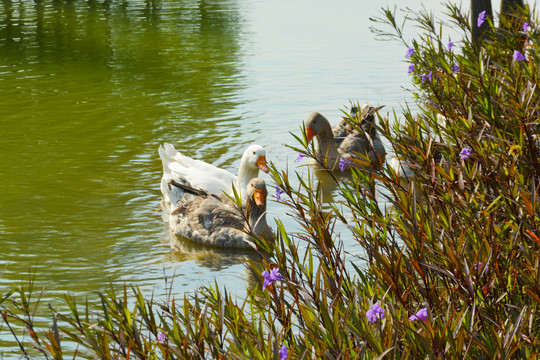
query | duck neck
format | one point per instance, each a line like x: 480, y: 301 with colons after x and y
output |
x: 326, y: 144
x: 257, y: 218
x: 245, y: 174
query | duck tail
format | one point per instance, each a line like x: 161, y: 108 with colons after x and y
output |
x: 186, y: 187
x: 181, y: 190
x: 167, y: 152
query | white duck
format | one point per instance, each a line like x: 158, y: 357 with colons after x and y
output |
x: 208, y: 177
x: 405, y: 169
x: 401, y: 169
x: 344, y: 142
x: 214, y: 220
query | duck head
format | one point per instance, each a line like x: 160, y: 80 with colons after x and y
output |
x: 317, y: 125
x: 257, y: 192
x: 255, y: 157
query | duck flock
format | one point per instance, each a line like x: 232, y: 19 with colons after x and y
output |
x: 199, y: 196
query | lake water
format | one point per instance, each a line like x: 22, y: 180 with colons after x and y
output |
x: 90, y: 89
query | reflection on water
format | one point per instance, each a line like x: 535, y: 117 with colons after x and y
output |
x: 215, y: 259
x: 89, y: 89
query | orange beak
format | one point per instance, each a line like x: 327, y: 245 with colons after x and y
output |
x: 309, y: 134
x: 261, y: 164
x: 259, y: 197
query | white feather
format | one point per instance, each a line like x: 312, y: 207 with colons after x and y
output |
x: 401, y: 169
x: 205, y: 176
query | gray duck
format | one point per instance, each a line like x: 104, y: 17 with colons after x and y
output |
x: 347, y: 141
x: 215, y: 220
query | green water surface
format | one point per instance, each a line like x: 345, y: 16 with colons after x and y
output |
x: 89, y: 89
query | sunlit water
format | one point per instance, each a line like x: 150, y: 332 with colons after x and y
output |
x: 90, y: 89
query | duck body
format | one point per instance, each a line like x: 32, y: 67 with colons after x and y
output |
x: 326, y: 149
x: 345, y: 127
x: 402, y: 170
x: 405, y: 168
x: 347, y: 141
x: 205, y: 176
x: 215, y: 220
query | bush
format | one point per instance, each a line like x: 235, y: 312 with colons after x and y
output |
x: 451, y: 266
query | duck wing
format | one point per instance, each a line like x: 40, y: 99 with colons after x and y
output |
x: 196, y: 173
x: 359, y: 145
x: 346, y: 126
x: 207, y: 218
x: 204, y: 176
x: 353, y: 144
x: 341, y: 131
x: 210, y: 221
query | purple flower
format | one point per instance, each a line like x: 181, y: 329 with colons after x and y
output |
x: 283, y: 353
x: 375, y: 313
x: 518, y: 56
x: 279, y: 191
x: 481, y: 18
x: 478, y: 266
x: 270, y: 277
x: 427, y: 76
x: 300, y: 157
x: 162, y: 337
x: 411, y: 69
x: 455, y: 68
x: 526, y: 26
x: 342, y: 164
x: 465, y: 153
x: 450, y: 45
x: 420, y: 315
x: 410, y: 52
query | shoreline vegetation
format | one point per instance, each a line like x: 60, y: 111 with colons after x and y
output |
x: 451, y: 267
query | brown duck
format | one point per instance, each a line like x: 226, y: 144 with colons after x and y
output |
x: 346, y: 141
x: 215, y: 220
